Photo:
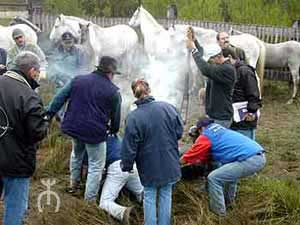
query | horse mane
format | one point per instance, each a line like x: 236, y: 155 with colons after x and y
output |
x: 150, y: 18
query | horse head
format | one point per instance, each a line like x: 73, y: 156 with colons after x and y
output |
x: 63, y: 24
x: 135, y: 20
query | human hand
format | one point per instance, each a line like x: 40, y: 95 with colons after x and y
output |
x: 190, y: 33
x: 249, y: 117
x: 43, y: 74
x: 2, y: 66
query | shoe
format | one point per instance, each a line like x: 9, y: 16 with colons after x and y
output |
x: 129, y: 216
x: 74, y: 188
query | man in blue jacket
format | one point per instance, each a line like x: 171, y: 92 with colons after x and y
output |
x: 94, y: 109
x: 237, y: 156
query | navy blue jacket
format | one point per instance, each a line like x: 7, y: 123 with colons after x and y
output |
x: 90, y: 108
x: 113, y: 149
x: 150, y: 140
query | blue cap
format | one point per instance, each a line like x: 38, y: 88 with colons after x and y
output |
x: 204, y: 122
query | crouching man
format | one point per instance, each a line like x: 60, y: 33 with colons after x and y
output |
x: 236, y: 155
x: 116, y: 180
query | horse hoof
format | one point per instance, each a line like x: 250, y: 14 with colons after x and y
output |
x: 289, y: 102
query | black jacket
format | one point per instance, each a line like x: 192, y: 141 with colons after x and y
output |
x: 219, y: 87
x: 246, y: 89
x: 27, y: 127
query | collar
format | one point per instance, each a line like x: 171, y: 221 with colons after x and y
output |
x: 145, y: 100
x: 18, y: 75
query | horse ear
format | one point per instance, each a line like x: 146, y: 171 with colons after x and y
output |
x: 81, y: 26
x: 89, y: 24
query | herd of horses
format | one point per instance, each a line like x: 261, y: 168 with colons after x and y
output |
x: 164, y: 47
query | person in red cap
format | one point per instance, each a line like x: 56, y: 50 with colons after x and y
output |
x: 237, y: 156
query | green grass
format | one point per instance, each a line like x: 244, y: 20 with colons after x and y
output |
x: 271, y: 198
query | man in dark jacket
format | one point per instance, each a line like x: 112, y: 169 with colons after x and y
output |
x: 246, y: 97
x: 222, y: 76
x: 22, y: 127
x: 94, y: 101
x: 3, y: 56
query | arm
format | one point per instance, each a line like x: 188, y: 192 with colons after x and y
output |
x: 59, y: 99
x: 10, y: 57
x: 129, y: 145
x: 179, y: 127
x: 199, y: 152
x: 3, y: 57
x: 223, y: 73
x: 251, y: 90
x: 35, y: 124
x: 116, y: 113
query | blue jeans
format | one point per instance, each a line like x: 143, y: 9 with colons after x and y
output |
x: 16, y: 191
x: 228, y: 175
x: 165, y: 204
x: 96, y: 162
x: 250, y: 133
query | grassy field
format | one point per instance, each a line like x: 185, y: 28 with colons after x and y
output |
x: 272, y: 197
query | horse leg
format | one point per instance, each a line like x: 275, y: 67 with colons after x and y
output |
x: 295, y: 76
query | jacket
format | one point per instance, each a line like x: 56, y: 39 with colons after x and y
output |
x: 219, y: 87
x: 27, y: 126
x: 64, y: 65
x: 94, y: 101
x: 14, y: 51
x: 150, y: 139
x: 3, y: 56
x: 246, y: 89
x: 221, y: 145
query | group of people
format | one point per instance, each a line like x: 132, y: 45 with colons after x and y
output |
x: 147, y: 159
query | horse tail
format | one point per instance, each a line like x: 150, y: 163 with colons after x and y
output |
x: 260, y: 67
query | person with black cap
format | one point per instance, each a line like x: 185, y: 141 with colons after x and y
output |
x: 237, y: 155
x: 67, y: 61
x: 94, y: 110
x: 21, y: 45
x: 22, y: 126
x: 221, y: 78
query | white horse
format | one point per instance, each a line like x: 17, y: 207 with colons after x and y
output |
x: 167, y: 47
x: 157, y: 40
x: 282, y: 55
x: 253, y: 47
x: 285, y: 54
x: 6, y: 40
x: 116, y: 41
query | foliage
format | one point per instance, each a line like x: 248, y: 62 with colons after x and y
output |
x: 275, y: 12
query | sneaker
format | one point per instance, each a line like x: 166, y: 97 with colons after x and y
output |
x: 129, y: 216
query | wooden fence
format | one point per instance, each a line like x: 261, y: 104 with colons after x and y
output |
x: 268, y: 34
